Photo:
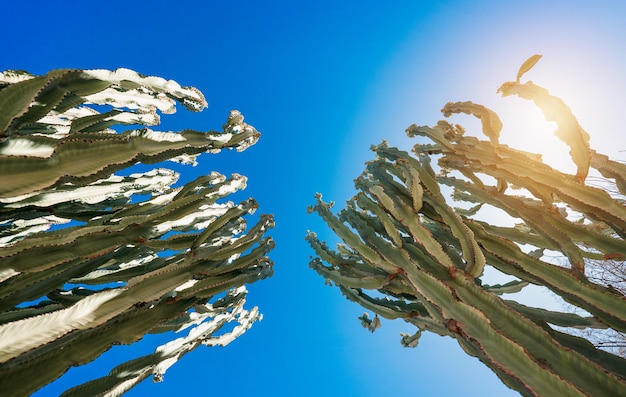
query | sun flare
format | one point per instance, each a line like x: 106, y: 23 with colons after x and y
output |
x: 525, y: 128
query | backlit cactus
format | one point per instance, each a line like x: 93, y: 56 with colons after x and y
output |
x: 123, y: 267
x: 403, y: 240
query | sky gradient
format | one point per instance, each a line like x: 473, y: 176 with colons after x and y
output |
x: 322, y: 81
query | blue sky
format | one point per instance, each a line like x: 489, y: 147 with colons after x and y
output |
x: 322, y: 81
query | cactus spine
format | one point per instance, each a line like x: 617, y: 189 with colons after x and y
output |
x: 402, y: 239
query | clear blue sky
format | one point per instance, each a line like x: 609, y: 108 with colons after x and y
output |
x: 321, y: 81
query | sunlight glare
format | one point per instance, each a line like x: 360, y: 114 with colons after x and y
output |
x: 525, y: 128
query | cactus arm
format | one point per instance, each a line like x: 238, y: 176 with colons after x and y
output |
x: 527, y: 334
x: 526, y: 66
x: 611, y: 362
x: 62, y: 83
x: 389, y: 225
x: 583, y: 198
x: 557, y: 318
x: 127, y: 79
x: 491, y: 123
x: 522, y: 169
x: 113, y: 153
x: 350, y: 281
x: 554, y: 109
x: 549, y: 221
x: 610, y: 169
x: 124, y: 376
x: 16, y: 99
x: 113, y: 187
x: 499, y: 351
x: 30, y: 286
x: 474, y: 258
x: 508, y: 288
x: 101, y: 122
x: 82, y: 346
x: 329, y: 255
x: 23, y: 335
x: 402, y: 213
x: 413, y: 312
x: 558, y: 279
x: 348, y: 236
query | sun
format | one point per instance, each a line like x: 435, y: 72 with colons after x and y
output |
x: 543, y: 123
x: 526, y: 128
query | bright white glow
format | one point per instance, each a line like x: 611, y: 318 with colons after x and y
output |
x: 14, y: 76
x: 187, y: 159
x: 25, y: 147
x: 188, y: 284
x: 121, y: 388
x: 525, y: 128
x: 188, y: 95
x: 222, y: 138
x: 159, y: 136
x: 133, y: 99
x: 22, y: 335
x: 209, y: 215
x: 6, y: 274
x: 95, y: 274
x: 156, y: 180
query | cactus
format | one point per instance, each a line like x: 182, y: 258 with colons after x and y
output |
x: 85, y: 263
x: 402, y: 239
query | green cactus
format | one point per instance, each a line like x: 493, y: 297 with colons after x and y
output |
x: 122, y: 267
x: 402, y: 239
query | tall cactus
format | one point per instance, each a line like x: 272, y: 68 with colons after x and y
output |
x: 123, y: 267
x: 403, y: 240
